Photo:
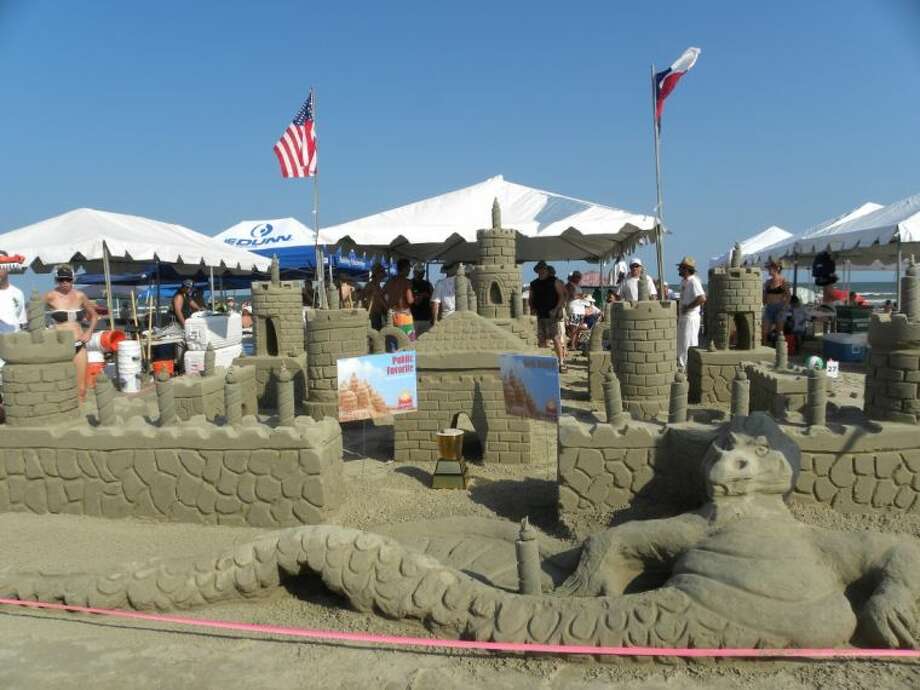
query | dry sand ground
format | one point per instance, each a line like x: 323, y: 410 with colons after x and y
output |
x: 58, y: 650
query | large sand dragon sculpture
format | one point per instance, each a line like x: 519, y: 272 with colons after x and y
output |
x: 739, y: 572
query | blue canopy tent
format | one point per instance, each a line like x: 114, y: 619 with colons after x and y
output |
x: 295, y: 246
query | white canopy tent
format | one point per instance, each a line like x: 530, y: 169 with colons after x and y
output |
x: 789, y: 247
x: 86, y: 236
x: 752, y: 245
x: 116, y: 241
x: 549, y: 226
x: 873, y: 239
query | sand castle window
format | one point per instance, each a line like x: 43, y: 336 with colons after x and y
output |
x: 743, y: 337
x: 271, y: 338
x: 495, y: 294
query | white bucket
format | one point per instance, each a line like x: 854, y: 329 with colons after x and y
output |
x: 129, y: 366
x: 129, y: 383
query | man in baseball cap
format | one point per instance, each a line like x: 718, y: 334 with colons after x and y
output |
x: 629, y: 288
x: 183, y: 302
x: 692, y: 297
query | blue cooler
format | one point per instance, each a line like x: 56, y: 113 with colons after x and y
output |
x: 846, y: 347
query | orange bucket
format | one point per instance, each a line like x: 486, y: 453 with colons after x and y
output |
x: 110, y: 340
x: 166, y: 365
x: 93, y: 369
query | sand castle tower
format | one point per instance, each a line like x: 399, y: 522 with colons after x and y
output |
x: 278, y: 331
x: 892, y: 389
x: 277, y: 321
x: 331, y: 334
x: 39, y: 378
x: 643, y: 348
x: 734, y: 305
x: 497, y: 276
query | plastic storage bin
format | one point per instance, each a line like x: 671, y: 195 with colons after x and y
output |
x: 223, y: 357
x: 219, y: 330
x: 846, y: 347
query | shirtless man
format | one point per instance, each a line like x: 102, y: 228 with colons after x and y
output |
x: 69, y: 309
x: 372, y: 298
x: 399, y: 298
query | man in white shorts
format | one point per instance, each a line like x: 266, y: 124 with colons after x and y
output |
x: 692, y: 297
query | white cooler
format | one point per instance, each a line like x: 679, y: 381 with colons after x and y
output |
x: 219, y: 330
x: 223, y: 357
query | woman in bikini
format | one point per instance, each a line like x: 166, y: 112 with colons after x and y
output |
x: 776, y: 295
x: 68, y: 310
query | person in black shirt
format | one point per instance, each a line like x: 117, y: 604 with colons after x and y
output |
x: 547, y: 300
x: 421, y: 307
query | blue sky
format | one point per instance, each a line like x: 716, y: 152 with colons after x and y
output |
x: 795, y: 112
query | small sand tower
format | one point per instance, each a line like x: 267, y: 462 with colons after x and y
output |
x: 497, y: 276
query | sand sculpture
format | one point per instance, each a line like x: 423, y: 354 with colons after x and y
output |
x: 599, y: 359
x: 233, y: 469
x: 643, y: 347
x: 458, y: 374
x: 497, y: 279
x: 734, y: 303
x: 893, y: 377
x: 278, y: 334
x: 739, y: 571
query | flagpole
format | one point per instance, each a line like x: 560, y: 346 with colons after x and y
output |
x: 318, y: 255
x: 659, y: 213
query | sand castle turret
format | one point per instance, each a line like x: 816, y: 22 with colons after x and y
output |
x: 733, y: 313
x: 331, y: 335
x: 643, y: 350
x: 39, y: 378
x: 892, y: 389
x: 497, y: 276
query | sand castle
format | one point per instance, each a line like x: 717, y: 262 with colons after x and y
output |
x: 728, y: 565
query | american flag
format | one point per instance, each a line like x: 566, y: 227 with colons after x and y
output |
x: 296, y: 149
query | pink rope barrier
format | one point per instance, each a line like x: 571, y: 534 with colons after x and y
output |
x: 401, y: 641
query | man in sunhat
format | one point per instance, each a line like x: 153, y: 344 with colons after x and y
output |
x: 692, y: 297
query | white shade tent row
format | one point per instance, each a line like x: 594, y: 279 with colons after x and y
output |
x: 115, y: 241
x: 753, y: 245
x: 86, y: 237
x: 871, y: 236
x: 548, y: 225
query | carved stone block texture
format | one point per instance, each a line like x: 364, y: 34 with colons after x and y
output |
x: 643, y: 348
x: 213, y: 475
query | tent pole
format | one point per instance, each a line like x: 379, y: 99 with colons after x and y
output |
x: 659, y: 211
x: 211, y: 281
x: 318, y: 252
x: 157, y: 264
x: 846, y: 275
x: 897, y: 276
x: 795, y: 273
x: 108, y: 285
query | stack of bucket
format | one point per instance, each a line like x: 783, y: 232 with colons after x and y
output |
x: 101, y: 343
x: 129, y: 366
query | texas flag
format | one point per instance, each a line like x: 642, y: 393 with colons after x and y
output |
x: 666, y: 81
